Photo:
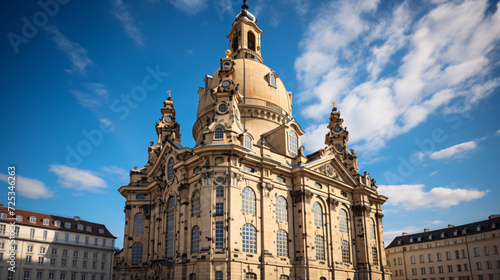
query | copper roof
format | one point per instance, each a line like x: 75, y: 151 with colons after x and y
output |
x: 52, y: 219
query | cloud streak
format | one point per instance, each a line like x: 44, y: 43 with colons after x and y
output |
x: 77, y: 55
x: 389, y: 70
x: 456, y: 151
x: 80, y: 179
x: 121, y: 11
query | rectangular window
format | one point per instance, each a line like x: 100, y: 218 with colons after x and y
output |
x: 464, y: 256
x: 219, y: 209
x: 219, y: 235
x: 375, y: 255
x: 75, y: 263
x: 414, y: 271
x: 54, y: 251
x: 103, y: 242
x: 422, y: 270
x: 87, y: 240
x: 66, y: 237
x: 440, y: 268
x: 431, y: 270
x: 56, y: 235
x: 65, y: 252
x: 62, y: 276
x: 459, y: 267
x: 51, y: 276
x: 30, y: 249
x: 63, y: 262
x: 85, y: 265
x: 430, y: 257
x: 28, y: 259
x: 395, y: 263
x: 32, y: 233
x: 77, y: 239
x: 42, y: 250
x: 486, y: 251
x: 52, y: 261
x: 457, y: 254
x: 400, y: 261
x: 421, y: 258
x: 479, y: 266
x: 44, y: 235
x: 40, y: 260
x: 439, y: 258
x: 412, y: 259
x: 448, y: 255
x: 488, y: 265
x: 26, y: 275
x: 450, y: 268
x: 476, y: 252
x: 466, y: 268
x: 2, y: 229
x: 95, y: 241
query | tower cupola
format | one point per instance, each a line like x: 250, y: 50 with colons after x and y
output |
x: 244, y: 37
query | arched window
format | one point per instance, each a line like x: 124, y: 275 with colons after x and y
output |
x: 372, y: 228
x: 195, y: 240
x: 218, y: 133
x: 251, y: 41
x: 250, y: 276
x: 139, y: 223
x: 282, y: 243
x: 375, y: 255
x: 281, y: 209
x: 218, y: 275
x: 292, y: 141
x: 170, y: 169
x: 140, y: 196
x: 137, y: 253
x: 343, y: 221
x: 272, y: 80
x: 322, y: 278
x: 219, y: 192
x: 170, y: 227
x: 320, y: 247
x: 284, y: 277
x: 248, y: 198
x: 247, y: 142
x: 318, y: 185
x: 318, y: 214
x: 346, y: 255
x: 235, y: 44
x: 195, y: 204
x: 192, y: 276
x: 249, y: 237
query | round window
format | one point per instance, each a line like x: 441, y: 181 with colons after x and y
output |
x: 226, y: 65
x: 223, y: 108
x: 226, y: 83
x: 220, y: 180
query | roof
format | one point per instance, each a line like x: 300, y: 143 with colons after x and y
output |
x: 40, y: 217
x: 447, y: 233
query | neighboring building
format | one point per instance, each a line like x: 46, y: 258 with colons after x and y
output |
x: 55, y: 248
x: 466, y: 252
x: 245, y: 202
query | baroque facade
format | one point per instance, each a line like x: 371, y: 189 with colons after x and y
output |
x: 246, y: 202
x: 465, y: 252
x: 54, y: 248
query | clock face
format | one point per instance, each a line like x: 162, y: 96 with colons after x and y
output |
x: 337, y: 129
x: 339, y: 147
x: 226, y: 83
x: 167, y: 119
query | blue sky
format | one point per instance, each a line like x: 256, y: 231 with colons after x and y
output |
x: 417, y: 83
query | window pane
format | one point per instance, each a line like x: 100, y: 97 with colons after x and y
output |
x: 249, y: 239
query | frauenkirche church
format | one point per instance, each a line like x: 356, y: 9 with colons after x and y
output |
x: 246, y: 202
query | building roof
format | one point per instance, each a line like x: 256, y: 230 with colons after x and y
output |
x: 74, y: 222
x: 492, y: 223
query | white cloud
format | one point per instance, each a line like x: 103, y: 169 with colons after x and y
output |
x: 191, y: 7
x: 76, y: 53
x: 122, y: 12
x: 389, y: 235
x: 27, y: 187
x: 411, y: 197
x: 121, y: 173
x: 74, y: 178
x: 389, y: 70
x: 94, y: 96
x: 435, y: 222
x: 457, y: 151
x: 497, y: 133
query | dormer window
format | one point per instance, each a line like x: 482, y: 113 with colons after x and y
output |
x: 419, y: 239
x: 293, y: 141
x: 67, y: 225
x: 464, y: 231
x: 411, y: 239
x: 57, y: 223
x: 101, y: 231
x: 247, y: 142
x: 442, y: 234
x: 272, y: 80
x: 3, y: 215
x: 33, y: 219
x: 45, y: 222
x: 80, y: 227
x: 430, y: 236
x: 455, y: 233
x: 88, y: 228
x: 207, y: 81
x: 19, y: 218
x: 478, y: 228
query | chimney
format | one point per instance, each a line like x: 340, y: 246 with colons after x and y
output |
x: 426, y: 230
x: 451, y: 226
x: 77, y: 218
x: 405, y: 233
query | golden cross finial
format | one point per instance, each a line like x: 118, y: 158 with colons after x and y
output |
x: 169, y: 91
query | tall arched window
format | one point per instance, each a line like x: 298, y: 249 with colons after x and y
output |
x: 219, y: 192
x: 137, y: 253
x: 281, y: 209
x: 293, y: 141
x: 139, y: 223
x: 284, y: 277
x: 219, y: 133
x: 282, y: 243
x: 343, y: 221
x: 372, y: 228
x: 218, y: 275
x: 192, y: 276
x: 251, y: 41
x: 375, y: 255
x: 235, y: 44
x: 250, y: 276
x: 247, y: 142
x: 248, y: 198
x: 195, y: 204
x: 170, y: 227
x: 170, y: 169
x: 272, y: 80
x: 249, y: 236
x: 320, y: 247
x: 195, y: 240
x: 318, y: 214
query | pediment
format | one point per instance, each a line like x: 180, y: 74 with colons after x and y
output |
x: 329, y: 170
x: 331, y: 167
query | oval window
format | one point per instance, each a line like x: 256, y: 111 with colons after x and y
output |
x: 226, y: 83
x: 223, y: 108
x: 220, y: 180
